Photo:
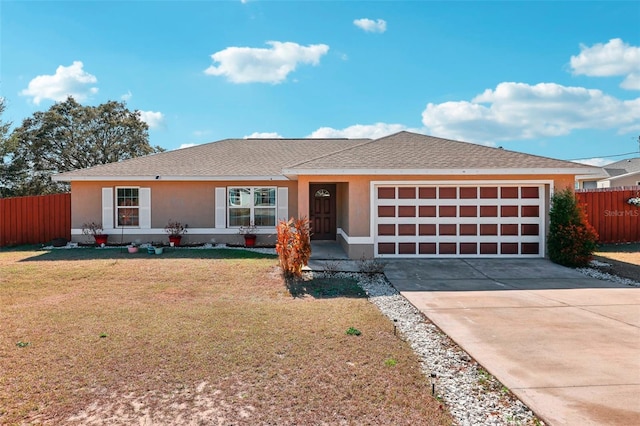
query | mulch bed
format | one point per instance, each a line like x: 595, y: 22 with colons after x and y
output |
x: 621, y: 269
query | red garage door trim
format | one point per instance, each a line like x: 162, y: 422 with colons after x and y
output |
x: 471, y: 219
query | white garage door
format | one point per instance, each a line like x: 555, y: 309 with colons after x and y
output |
x: 458, y: 220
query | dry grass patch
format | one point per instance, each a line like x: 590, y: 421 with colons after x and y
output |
x: 189, y: 340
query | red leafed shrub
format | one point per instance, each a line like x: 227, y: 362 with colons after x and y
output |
x: 572, y: 240
x: 293, y: 245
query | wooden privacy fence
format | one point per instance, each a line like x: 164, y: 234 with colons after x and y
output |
x: 611, y: 215
x: 33, y: 220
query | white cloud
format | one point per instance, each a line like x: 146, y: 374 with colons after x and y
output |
x: 371, y: 26
x: 71, y: 80
x: 521, y: 111
x: 359, y: 131
x: 187, y: 145
x: 631, y: 82
x: 261, y: 65
x: 152, y: 118
x: 598, y: 162
x: 613, y: 58
x: 126, y: 96
x: 263, y: 135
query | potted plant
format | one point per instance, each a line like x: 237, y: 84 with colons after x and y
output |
x: 132, y: 248
x: 249, y: 234
x: 94, y: 229
x: 175, y: 230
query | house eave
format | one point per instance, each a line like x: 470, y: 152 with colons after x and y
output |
x: 62, y: 178
x: 291, y: 173
x: 594, y: 177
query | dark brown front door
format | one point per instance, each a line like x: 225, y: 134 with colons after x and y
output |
x: 322, y: 211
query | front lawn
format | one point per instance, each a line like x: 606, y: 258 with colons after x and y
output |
x: 94, y: 336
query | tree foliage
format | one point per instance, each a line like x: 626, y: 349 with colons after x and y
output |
x: 71, y: 136
x: 572, y: 240
x: 5, y: 148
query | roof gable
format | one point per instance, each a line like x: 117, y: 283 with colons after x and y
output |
x: 411, y: 151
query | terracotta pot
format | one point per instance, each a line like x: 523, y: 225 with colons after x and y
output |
x: 101, y: 239
x: 175, y: 239
x: 250, y: 240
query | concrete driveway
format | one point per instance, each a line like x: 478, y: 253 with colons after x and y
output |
x: 568, y: 346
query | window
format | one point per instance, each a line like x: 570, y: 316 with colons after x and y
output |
x: 128, y: 207
x: 252, y: 205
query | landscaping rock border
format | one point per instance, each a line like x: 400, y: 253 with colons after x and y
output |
x: 473, y: 396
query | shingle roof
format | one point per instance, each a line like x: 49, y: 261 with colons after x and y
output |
x: 228, y: 157
x: 405, y: 150
x: 261, y: 158
x: 622, y: 167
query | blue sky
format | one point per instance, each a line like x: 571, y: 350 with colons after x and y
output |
x: 559, y: 79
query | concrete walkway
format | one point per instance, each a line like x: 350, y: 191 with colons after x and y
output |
x: 568, y: 346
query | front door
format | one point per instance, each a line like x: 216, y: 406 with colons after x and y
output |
x: 322, y: 211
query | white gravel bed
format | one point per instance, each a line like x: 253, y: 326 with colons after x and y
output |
x: 473, y: 396
x: 594, y: 273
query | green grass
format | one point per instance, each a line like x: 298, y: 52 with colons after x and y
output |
x: 325, y: 287
x: 93, y: 253
x: 184, y: 338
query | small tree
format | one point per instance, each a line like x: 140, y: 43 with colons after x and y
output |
x: 572, y: 240
x: 293, y: 246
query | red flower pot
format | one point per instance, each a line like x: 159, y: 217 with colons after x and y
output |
x: 101, y: 239
x: 175, y: 239
x: 250, y: 240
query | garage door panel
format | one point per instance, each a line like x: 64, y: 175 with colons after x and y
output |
x: 459, y: 220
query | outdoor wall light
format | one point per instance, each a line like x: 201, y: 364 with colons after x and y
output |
x: 432, y: 380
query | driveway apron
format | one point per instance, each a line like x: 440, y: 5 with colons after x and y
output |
x: 567, y: 345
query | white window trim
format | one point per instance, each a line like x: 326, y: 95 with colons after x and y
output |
x: 116, y: 208
x: 252, y: 207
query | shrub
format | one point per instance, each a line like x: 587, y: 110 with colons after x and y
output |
x: 293, y: 245
x: 572, y: 240
x: 370, y: 266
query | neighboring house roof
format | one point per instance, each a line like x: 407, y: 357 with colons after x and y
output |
x: 618, y: 177
x: 614, y: 170
x: 400, y: 153
x: 623, y: 167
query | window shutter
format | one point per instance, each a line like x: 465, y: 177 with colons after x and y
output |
x: 283, y: 203
x: 145, y: 208
x: 107, y: 208
x: 221, y: 208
